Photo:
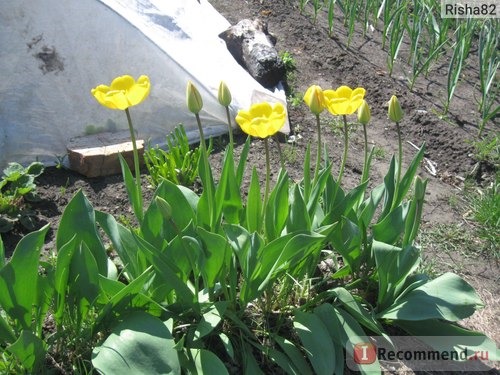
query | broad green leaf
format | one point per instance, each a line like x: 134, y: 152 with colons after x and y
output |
x: 79, y: 220
x: 217, y: 255
x: 313, y: 198
x: 306, y: 181
x: 184, y: 212
x: 394, y: 265
x: 407, y: 179
x: 154, y: 228
x: 210, y: 319
x: 30, y: 350
x: 83, y: 281
x: 298, y: 217
x: 426, y: 330
x: 354, y: 196
x: 13, y: 171
x: 228, y: 191
x: 206, y: 210
x: 134, y: 196
x: 254, y: 205
x: 276, y: 212
x: 392, y: 226
x: 36, y: 168
x: 123, y: 243
x: 64, y: 258
x: 165, y: 269
x: 7, y: 335
x: 282, y: 360
x: 228, y: 346
x: 140, y: 344
x: 370, y: 205
x: 389, y: 188
x: 347, y: 240
x: 243, y: 160
x: 21, y: 271
x: 284, y: 253
x: 352, y: 333
x: 327, y: 314
x: 250, y: 364
x: 415, y: 212
x: 360, y: 313
x: 208, y: 363
x: 447, y: 297
x: 119, y: 293
x: 2, y: 253
x: 294, y: 355
x: 316, y: 342
x: 245, y: 246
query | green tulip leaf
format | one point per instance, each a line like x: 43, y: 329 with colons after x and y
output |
x: 141, y: 344
x: 447, y: 297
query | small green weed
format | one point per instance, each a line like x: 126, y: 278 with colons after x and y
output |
x: 17, y: 188
x: 484, y: 205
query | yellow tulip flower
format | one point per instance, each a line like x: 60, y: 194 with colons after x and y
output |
x: 262, y: 119
x: 344, y: 100
x: 315, y: 99
x: 123, y: 92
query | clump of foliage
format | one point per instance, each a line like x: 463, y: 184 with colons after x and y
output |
x: 17, y: 189
x: 224, y: 279
x: 178, y: 164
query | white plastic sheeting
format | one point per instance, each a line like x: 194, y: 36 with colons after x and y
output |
x: 53, y: 52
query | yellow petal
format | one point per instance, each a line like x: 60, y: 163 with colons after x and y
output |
x: 262, y: 120
x: 139, y: 91
x: 344, y: 100
x: 123, y: 92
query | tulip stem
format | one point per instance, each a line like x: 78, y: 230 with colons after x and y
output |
x: 282, y: 160
x: 366, y: 170
x: 231, y: 141
x: 398, y: 166
x: 268, y: 173
x: 137, y: 169
x: 344, y: 156
x: 202, y: 136
x: 318, y: 156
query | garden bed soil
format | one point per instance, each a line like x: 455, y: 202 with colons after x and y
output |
x: 328, y: 62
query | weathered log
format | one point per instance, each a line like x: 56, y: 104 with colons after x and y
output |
x: 252, y: 46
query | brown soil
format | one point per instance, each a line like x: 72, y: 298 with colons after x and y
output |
x: 328, y: 62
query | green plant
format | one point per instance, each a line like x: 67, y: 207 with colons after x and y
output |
x: 179, y: 163
x: 488, y: 67
x: 487, y: 149
x: 485, y: 207
x: 17, y: 189
x: 224, y: 278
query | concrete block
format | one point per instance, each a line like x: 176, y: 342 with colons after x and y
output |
x: 97, y: 154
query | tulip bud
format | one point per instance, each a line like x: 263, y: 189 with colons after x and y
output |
x: 420, y: 186
x: 395, y: 111
x: 164, y: 207
x: 224, y: 95
x: 193, y: 98
x: 315, y: 99
x: 364, y: 114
